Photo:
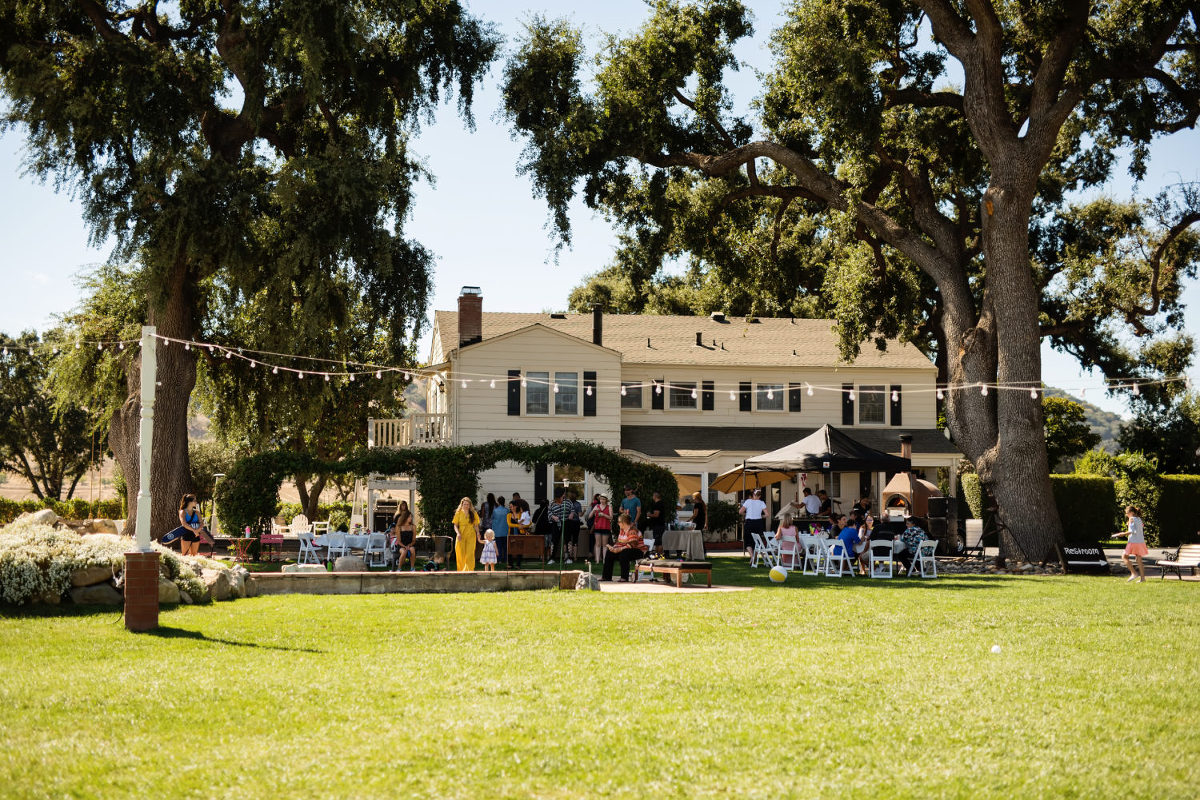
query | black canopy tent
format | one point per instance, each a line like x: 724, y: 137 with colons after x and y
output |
x: 828, y: 449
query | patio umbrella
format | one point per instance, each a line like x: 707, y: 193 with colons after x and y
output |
x: 739, y: 478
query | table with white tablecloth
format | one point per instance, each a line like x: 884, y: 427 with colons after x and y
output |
x: 354, y: 541
x: 691, y: 542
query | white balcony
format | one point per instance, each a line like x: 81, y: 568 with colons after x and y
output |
x: 418, y: 430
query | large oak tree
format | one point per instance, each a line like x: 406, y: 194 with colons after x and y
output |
x: 258, y: 146
x: 925, y: 150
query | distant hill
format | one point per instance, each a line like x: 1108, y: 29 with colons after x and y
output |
x: 1105, y: 423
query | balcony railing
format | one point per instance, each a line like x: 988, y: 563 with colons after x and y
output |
x: 418, y: 430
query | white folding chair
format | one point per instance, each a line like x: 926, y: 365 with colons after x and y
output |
x: 308, y: 551
x: 376, y: 552
x: 335, y: 545
x: 881, y: 558
x: 814, y: 554
x: 789, y: 552
x: 762, y: 552
x: 923, y: 561
x: 837, y: 561
x: 320, y: 528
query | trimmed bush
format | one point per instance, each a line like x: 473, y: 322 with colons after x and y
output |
x: 1179, y: 510
x: 722, y: 516
x: 1087, y: 505
x: 67, y: 509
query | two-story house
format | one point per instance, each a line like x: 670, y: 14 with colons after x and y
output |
x: 695, y: 394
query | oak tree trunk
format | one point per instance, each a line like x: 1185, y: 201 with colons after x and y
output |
x: 170, y: 477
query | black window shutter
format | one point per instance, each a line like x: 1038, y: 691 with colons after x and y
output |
x: 744, y: 396
x: 589, y: 397
x: 847, y: 404
x: 658, y: 393
x: 540, y: 479
x: 514, y: 392
x: 707, y: 396
x: 794, y: 390
x: 896, y: 406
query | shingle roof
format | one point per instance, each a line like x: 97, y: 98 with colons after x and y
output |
x: 672, y: 339
x: 675, y: 441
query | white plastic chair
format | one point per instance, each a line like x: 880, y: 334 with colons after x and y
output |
x: 308, y: 551
x: 762, y: 552
x: 320, y: 528
x: 837, y: 561
x: 923, y: 561
x: 300, y: 524
x: 790, y: 553
x: 814, y: 554
x: 376, y: 552
x: 881, y: 558
x: 335, y: 545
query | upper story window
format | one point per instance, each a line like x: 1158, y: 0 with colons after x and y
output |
x: 631, y: 394
x: 537, y: 393
x: 770, y: 396
x: 871, y: 405
x: 684, y: 396
x: 566, y: 393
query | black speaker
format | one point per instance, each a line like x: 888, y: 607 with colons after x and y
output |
x: 937, y: 507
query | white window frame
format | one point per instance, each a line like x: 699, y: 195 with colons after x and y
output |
x: 530, y: 381
x: 872, y: 388
x: 760, y: 394
x: 640, y: 386
x: 685, y: 386
x: 554, y: 396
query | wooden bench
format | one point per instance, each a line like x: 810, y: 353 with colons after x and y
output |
x: 676, y: 567
x: 1188, y: 555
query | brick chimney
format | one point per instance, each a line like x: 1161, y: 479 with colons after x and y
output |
x: 906, y: 445
x: 597, y: 324
x: 470, y: 316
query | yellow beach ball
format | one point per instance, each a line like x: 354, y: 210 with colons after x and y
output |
x: 778, y: 574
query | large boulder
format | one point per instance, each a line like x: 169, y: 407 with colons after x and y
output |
x: 185, y: 598
x: 102, y: 594
x: 45, y: 516
x: 238, y: 578
x: 291, y: 568
x: 220, y: 585
x: 90, y: 576
x: 168, y: 592
x: 349, y: 564
x: 101, y: 526
x: 48, y: 599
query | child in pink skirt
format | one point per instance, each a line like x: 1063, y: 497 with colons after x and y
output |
x: 1136, y: 543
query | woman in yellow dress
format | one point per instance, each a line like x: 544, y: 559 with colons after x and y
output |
x: 466, y: 527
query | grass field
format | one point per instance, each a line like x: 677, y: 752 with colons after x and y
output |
x: 818, y: 688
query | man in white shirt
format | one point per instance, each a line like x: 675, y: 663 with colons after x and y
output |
x: 812, y: 503
x: 755, y: 511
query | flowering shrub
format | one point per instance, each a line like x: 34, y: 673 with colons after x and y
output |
x: 37, y: 561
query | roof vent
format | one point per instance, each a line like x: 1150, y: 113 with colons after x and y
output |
x: 717, y: 316
x: 558, y: 316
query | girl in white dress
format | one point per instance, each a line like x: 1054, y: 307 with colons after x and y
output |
x: 489, y: 556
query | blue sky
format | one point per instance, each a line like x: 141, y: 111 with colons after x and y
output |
x: 480, y: 219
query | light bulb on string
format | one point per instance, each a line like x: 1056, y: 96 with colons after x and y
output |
x: 624, y: 392
x: 1136, y: 391
x: 556, y: 388
x: 351, y: 377
x: 523, y: 383
x: 895, y: 396
x: 852, y: 395
x: 940, y: 394
x: 76, y: 346
x: 589, y: 391
x: 770, y: 394
x: 187, y: 346
x: 300, y: 374
x: 732, y: 395
x: 1033, y: 393
x: 809, y: 391
x: 657, y: 387
x: 693, y: 394
x: 492, y: 384
x: 275, y: 371
x: 327, y: 377
x: 253, y: 364
x: 464, y: 383
x: 228, y: 354
x: 378, y: 374
x: 983, y: 389
x: 99, y: 345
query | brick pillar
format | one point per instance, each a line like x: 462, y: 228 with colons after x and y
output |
x: 141, y: 590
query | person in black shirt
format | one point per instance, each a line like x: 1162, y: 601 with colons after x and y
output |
x: 656, y: 518
x: 699, y: 512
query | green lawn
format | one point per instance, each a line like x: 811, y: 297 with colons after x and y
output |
x: 818, y: 688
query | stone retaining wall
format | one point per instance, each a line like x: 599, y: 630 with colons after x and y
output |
x: 404, y: 582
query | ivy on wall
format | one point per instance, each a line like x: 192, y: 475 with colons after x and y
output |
x: 444, y: 475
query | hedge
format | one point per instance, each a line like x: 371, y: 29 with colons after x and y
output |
x: 67, y: 509
x: 1179, y: 510
x: 1087, y: 505
x: 249, y: 494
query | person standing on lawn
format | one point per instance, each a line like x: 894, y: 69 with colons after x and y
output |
x: 628, y: 548
x: 466, y: 529
x: 191, y: 528
x: 632, y: 506
x: 499, y: 523
x: 600, y: 517
x: 488, y: 557
x: 754, y: 510
x: 1135, y: 545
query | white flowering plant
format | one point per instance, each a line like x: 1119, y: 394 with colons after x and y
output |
x: 36, y: 561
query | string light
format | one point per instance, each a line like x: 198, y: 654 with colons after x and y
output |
x: 464, y: 383
x: 76, y: 347
x: 556, y: 388
x: 187, y: 346
x: 1033, y: 393
x: 589, y: 391
x: 378, y: 374
x: 940, y: 394
x: 809, y: 391
x: 770, y: 394
x: 732, y: 396
x: 983, y: 389
x: 327, y: 377
x: 852, y: 395
x: 624, y: 392
x: 492, y: 385
x: 99, y: 346
x: 657, y: 387
x: 275, y: 371
x: 895, y: 396
x: 228, y: 354
x: 351, y: 377
x: 523, y: 383
x: 301, y: 374
x: 693, y: 393
x: 1136, y: 390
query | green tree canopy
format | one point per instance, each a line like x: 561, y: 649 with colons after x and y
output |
x: 255, y: 151
x: 50, y: 444
x: 1068, y: 433
x: 910, y: 163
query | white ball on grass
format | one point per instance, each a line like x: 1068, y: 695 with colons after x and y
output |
x: 778, y: 574
x: 995, y: 648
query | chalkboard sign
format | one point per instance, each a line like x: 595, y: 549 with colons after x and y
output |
x: 1083, y: 557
